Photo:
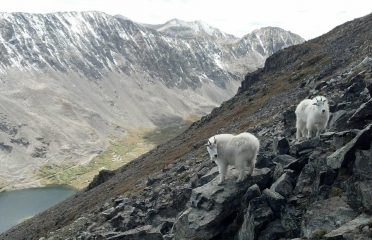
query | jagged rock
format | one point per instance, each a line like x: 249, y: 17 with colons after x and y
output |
x: 273, y: 231
x: 209, y: 176
x: 352, y: 229
x: 264, y: 160
x: 283, y: 185
x: 109, y: 213
x: 257, y: 215
x: 252, y: 192
x: 301, y: 147
x: 212, y: 204
x: 325, y: 216
x: 363, y: 113
x: 363, y: 163
x: 297, y: 165
x: 102, y: 177
x: 146, y: 232
x: 345, y: 155
x: 274, y: 199
x: 327, y: 177
x: 278, y: 171
x: 338, y: 119
x: 282, y: 146
x: 360, y: 194
x: 305, y: 181
x: 284, y: 159
x: 341, y: 138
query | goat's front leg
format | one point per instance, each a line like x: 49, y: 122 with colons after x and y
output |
x: 222, y: 168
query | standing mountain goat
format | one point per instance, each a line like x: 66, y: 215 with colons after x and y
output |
x: 311, y: 115
x: 239, y: 150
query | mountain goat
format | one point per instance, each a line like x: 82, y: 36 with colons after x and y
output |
x: 239, y: 150
x: 311, y: 115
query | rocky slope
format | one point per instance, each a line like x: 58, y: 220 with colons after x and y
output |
x: 317, y: 188
x: 72, y: 81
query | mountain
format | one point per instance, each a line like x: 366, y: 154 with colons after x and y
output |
x: 72, y: 81
x: 184, y: 29
x: 317, y: 188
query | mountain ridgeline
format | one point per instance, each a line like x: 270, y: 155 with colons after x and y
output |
x: 313, y: 189
x: 72, y: 81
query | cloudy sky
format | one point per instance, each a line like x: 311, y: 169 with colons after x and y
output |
x: 306, y: 18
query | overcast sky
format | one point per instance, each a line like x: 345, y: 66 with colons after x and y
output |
x: 308, y: 18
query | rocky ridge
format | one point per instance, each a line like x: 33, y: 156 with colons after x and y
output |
x: 317, y: 188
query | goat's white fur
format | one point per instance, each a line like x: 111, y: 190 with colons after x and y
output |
x: 239, y: 150
x: 312, y: 115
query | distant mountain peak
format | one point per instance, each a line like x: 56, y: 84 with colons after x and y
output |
x: 190, y: 29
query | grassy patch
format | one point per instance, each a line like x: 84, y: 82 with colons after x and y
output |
x: 319, y: 234
x: 336, y: 192
x: 118, y: 153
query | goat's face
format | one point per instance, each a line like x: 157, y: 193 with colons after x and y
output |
x: 212, y: 148
x: 321, y: 104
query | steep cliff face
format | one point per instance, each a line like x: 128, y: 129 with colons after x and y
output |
x: 71, y: 81
x: 316, y: 188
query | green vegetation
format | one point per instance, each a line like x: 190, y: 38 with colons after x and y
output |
x: 319, y: 234
x: 118, y: 153
x: 336, y: 192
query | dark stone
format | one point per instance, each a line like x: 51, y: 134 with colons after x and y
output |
x: 283, y: 185
x: 284, y: 159
x: 289, y: 118
x: 213, y: 173
x: 146, y: 232
x: 363, y: 164
x: 275, y: 200
x: 264, y: 161
x: 282, y: 146
x: 362, y: 114
x: 351, y: 229
x: 309, y: 144
x: 273, y: 231
x: 278, y: 171
x: 102, y: 177
x: 327, y: 177
x: 252, y: 192
x: 345, y: 156
x: 326, y: 215
x: 338, y: 120
x: 341, y: 138
x: 297, y: 165
x: 256, y: 217
x: 109, y: 213
x: 214, y: 207
x: 305, y: 181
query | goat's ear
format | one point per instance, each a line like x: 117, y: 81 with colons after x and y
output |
x: 215, y: 140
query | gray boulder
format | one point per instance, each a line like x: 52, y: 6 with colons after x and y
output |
x: 257, y: 215
x: 146, y: 232
x: 352, y: 229
x: 345, y: 155
x: 212, y: 204
x: 283, y: 185
x: 326, y: 215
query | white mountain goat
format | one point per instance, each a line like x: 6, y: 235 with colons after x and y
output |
x: 239, y: 150
x: 311, y: 115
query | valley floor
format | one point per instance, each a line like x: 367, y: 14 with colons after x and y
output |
x: 117, y: 154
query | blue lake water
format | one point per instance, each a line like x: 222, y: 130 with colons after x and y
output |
x: 15, y: 206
